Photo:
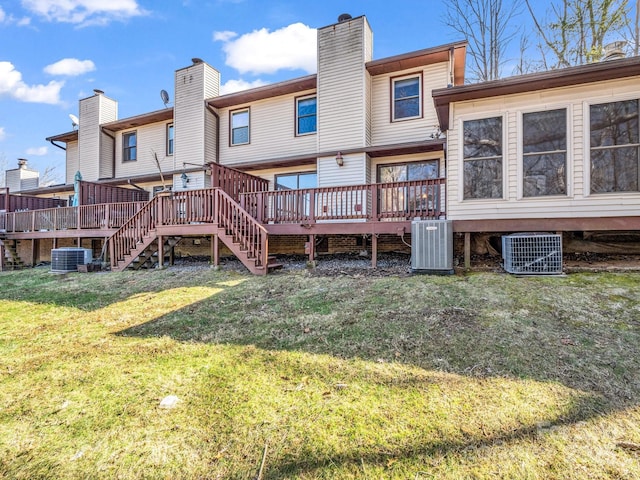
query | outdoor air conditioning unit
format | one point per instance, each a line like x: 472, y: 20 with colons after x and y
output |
x: 432, y: 246
x: 532, y: 253
x: 67, y: 259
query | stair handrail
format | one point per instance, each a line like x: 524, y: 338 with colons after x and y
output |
x: 244, y: 229
x: 133, y: 231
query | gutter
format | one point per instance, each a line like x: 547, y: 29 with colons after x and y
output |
x: 56, y: 145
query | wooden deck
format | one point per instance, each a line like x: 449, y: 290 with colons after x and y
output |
x: 242, y: 219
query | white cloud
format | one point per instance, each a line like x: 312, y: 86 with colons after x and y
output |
x: 84, y: 12
x: 224, y: 36
x: 2, y: 15
x: 261, y: 51
x: 70, y: 67
x: 37, y: 151
x: 232, y: 86
x: 12, y: 85
x: 3, y: 135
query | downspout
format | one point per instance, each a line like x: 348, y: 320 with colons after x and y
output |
x: 215, y: 114
x: 451, y: 67
x: 113, y: 155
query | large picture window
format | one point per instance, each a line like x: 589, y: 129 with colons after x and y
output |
x: 615, y: 147
x: 482, y: 155
x: 406, y: 98
x: 544, y: 153
x: 240, y: 127
x: 306, y: 115
x: 129, y: 147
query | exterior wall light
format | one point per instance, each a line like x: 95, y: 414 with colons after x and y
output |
x: 184, y: 179
x: 339, y: 159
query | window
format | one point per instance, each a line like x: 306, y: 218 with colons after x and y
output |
x: 129, y: 147
x: 482, y: 156
x: 412, y: 197
x: 406, y: 98
x: 291, y: 204
x: 544, y: 153
x: 305, y: 115
x: 240, y: 127
x: 296, y: 181
x: 615, y: 147
x: 170, y: 139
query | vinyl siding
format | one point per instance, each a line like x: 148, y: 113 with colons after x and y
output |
x: 89, y: 138
x: 197, y: 180
x: 578, y: 202
x: 385, y: 131
x: 353, y: 172
x: 94, y: 111
x: 150, y: 138
x: 108, y: 113
x: 342, y: 52
x: 192, y: 85
x: 71, y: 166
x: 271, y: 132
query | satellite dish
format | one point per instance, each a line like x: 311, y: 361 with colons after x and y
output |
x: 74, y: 120
x: 165, y: 97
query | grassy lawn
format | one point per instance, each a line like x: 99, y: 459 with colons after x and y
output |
x: 302, y: 376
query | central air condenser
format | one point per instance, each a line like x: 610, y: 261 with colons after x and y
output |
x: 64, y: 260
x: 532, y: 253
x: 432, y: 246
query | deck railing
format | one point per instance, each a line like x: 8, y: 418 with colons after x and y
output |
x: 375, y: 202
x: 235, y: 182
x: 211, y: 205
x: 103, y: 216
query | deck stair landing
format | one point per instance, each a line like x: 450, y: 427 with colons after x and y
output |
x: 210, y: 211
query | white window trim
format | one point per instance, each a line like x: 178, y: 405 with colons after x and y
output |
x: 298, y: 99
x: 417, y: 75
x: 505, y: 156
x: 586, y: 146
x: 520, y: 152
x: 231, y: 114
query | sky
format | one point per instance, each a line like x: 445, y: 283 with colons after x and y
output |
x: 55, y: 52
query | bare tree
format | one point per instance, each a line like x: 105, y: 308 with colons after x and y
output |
x: 576, y: 31
x: 50, y: 177
x: 486, y: 25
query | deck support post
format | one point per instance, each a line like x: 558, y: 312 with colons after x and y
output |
x: 34, y: 244
x: 374, y: 251
x: 2, y: 256
x: 160, y: 252
x: 55, y: 243
x: 172, y: 255
x: 312, y: 248
x: 215, y: 250
x: 467, y: 250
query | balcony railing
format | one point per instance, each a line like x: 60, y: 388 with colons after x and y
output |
x: 375, y: 202
x: 102, y: 216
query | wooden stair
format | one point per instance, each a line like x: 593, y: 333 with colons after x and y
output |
x: 12, y: 260
x: 133, y: 243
